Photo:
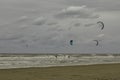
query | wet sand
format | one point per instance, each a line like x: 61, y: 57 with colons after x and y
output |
x: 83, y: 72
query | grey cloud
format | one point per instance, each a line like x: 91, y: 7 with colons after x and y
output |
x: 77, y: 12
x: 74, y: 24
x: 11, y: 37
x: 39, y: 21
x: 106, y: 5
x: 89, y: 25
x: 22, y: 19
x: 56, y: 28
x: 101, y: 35
x: 14, y: 37
x: 77, y: 24
x: 52, y: 23
x: 50, y: 39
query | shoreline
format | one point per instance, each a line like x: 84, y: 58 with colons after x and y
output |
x: 50, y: 66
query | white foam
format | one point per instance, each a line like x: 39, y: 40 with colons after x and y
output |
x: 51, y: 60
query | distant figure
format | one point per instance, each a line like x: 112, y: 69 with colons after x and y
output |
x: 68, y: 56
x: 71, y: 42
x: 56, y: 56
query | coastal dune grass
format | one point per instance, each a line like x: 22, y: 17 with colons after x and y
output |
x: 84, y: 72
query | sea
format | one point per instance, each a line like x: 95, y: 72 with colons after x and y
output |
x: 8, y: 61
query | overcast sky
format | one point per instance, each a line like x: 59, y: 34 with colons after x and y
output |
x: 47, y: 26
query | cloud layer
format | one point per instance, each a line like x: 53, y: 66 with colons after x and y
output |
x: 77, y: 12
x: 48, y: 26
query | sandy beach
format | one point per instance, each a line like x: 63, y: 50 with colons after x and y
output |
x: 60, y: 67
x: 86, y: 72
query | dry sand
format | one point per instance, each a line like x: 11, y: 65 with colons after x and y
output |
x: 86, y: 72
